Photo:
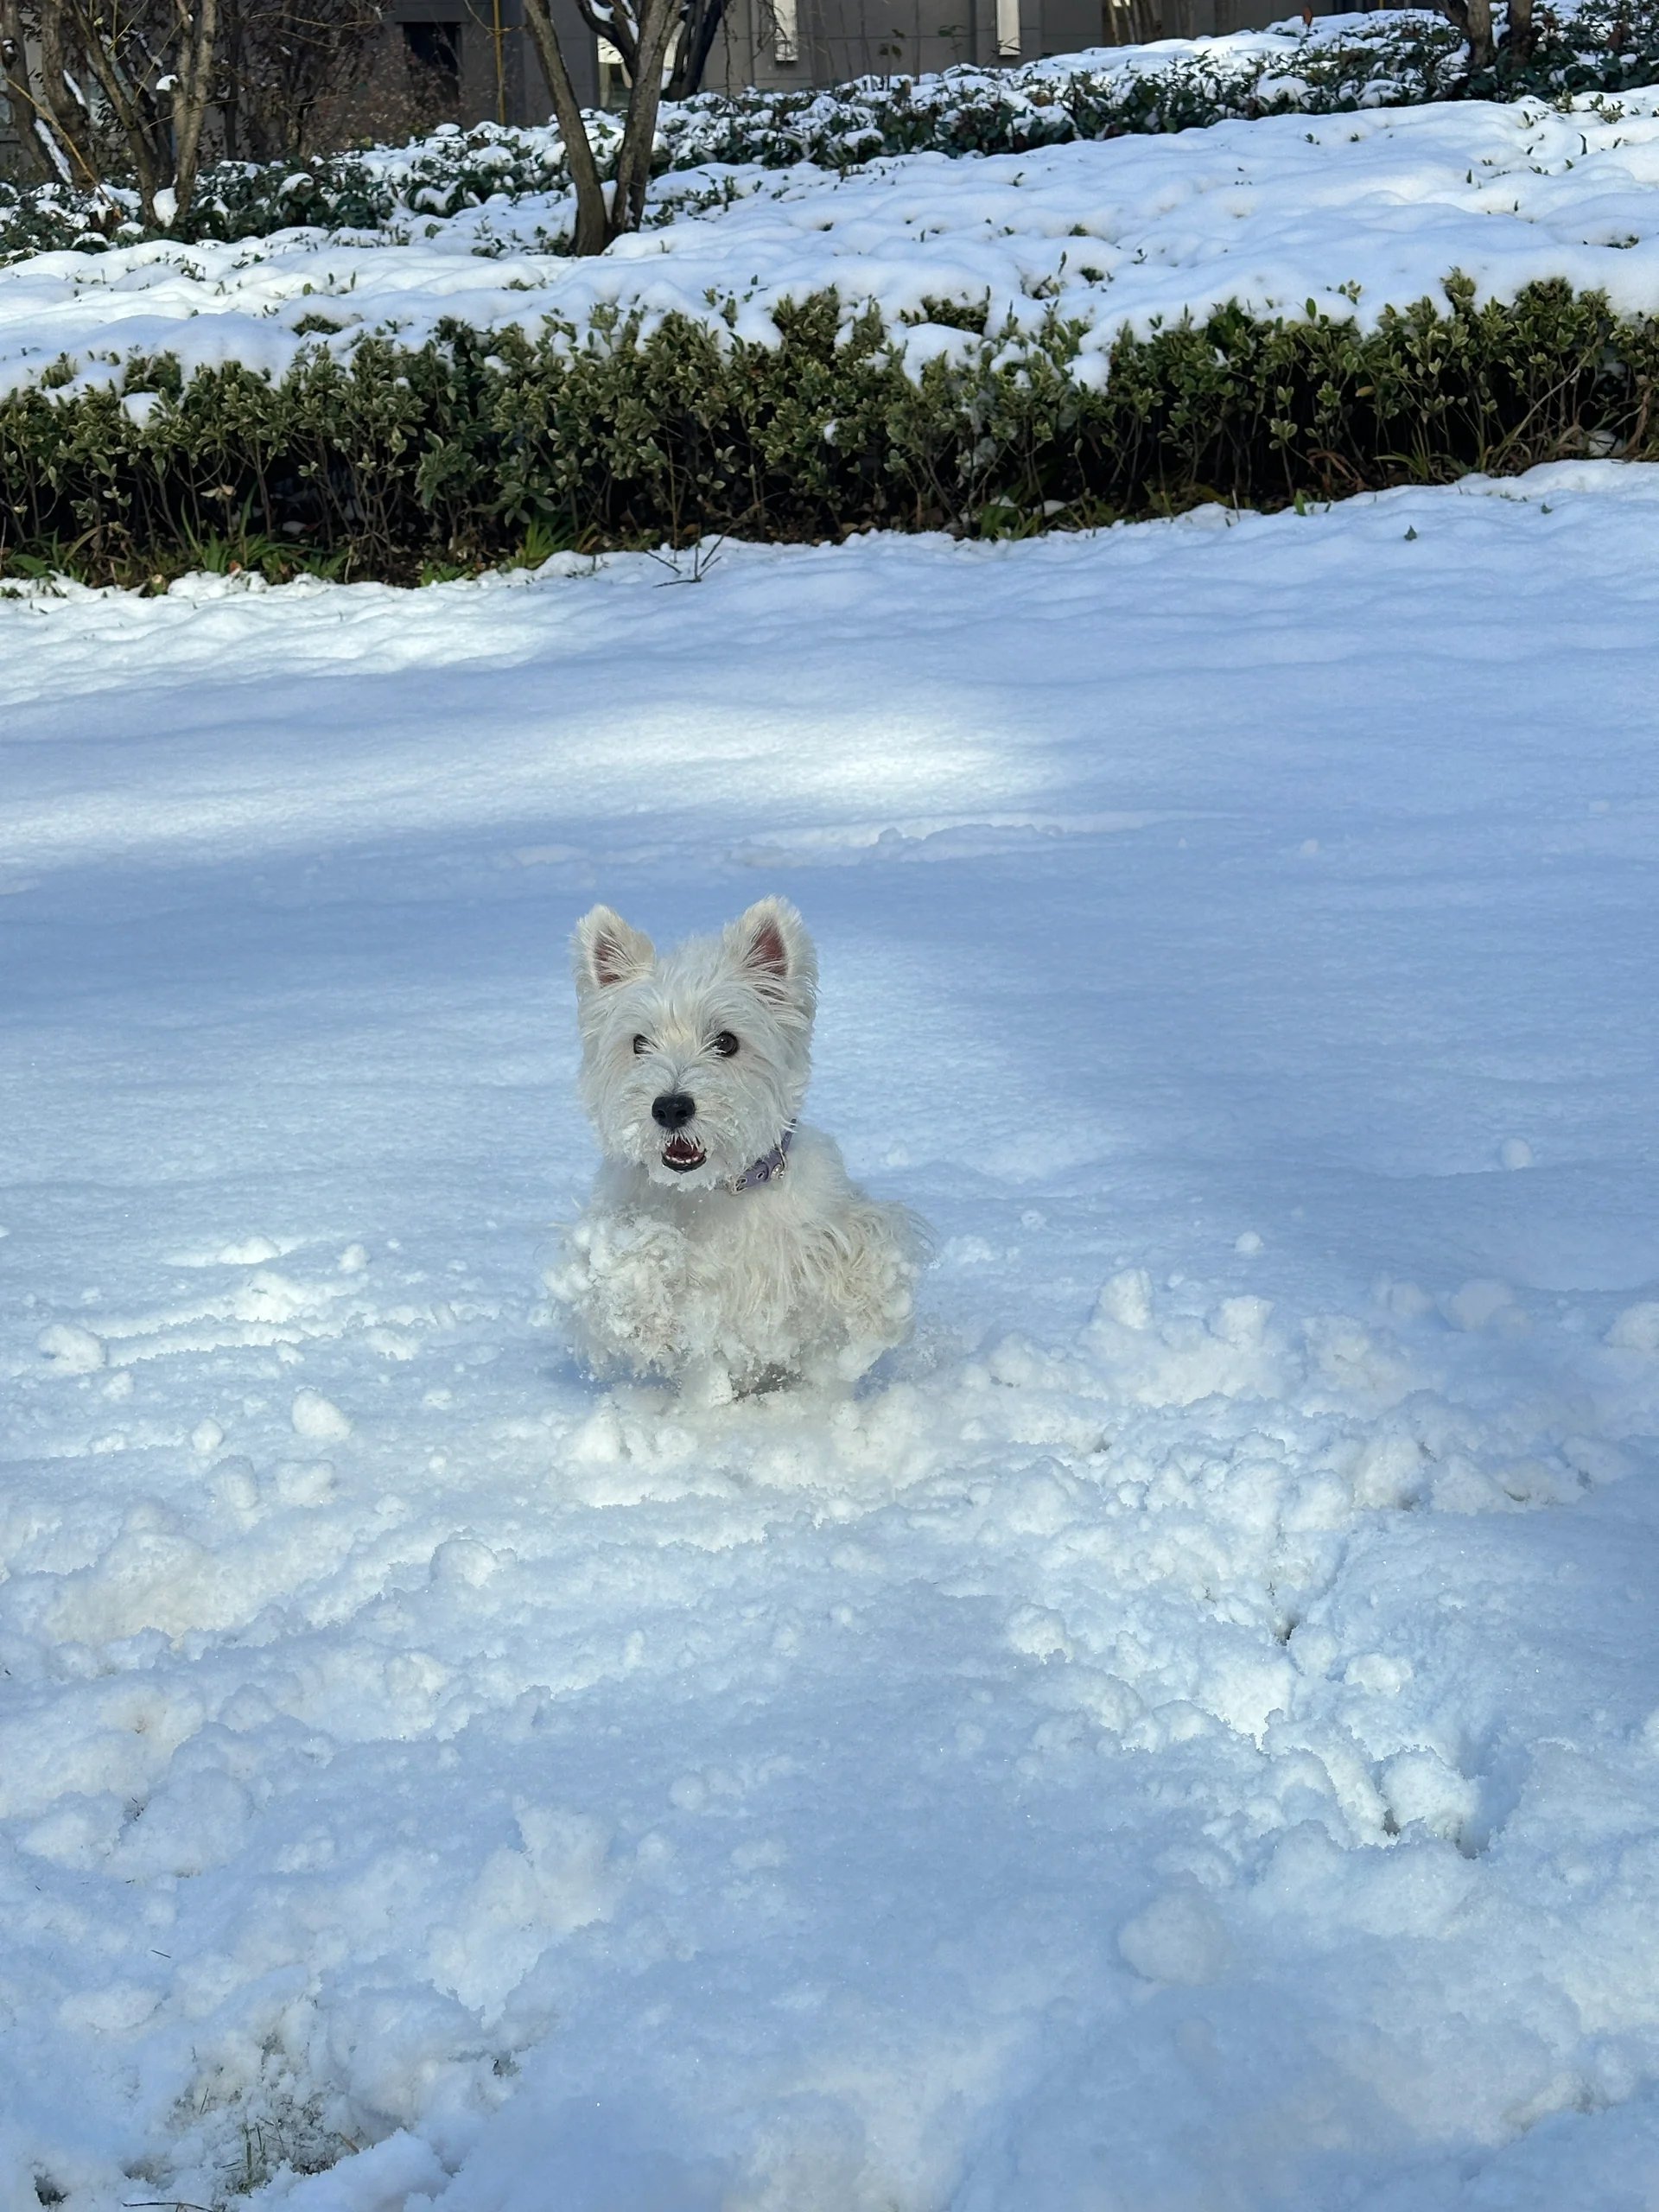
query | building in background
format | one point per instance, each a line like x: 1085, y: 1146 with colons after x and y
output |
x: 455, y: 62
x: 488, y: 65
x: 778, y: 42
x: 473, y: 60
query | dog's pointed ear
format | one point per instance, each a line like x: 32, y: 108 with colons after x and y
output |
x: 770, y: 945
x: 605, y: 950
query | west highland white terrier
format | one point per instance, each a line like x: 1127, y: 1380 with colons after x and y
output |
x: 724, y: 1245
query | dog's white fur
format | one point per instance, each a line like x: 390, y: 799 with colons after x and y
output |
x: 670, y: 1271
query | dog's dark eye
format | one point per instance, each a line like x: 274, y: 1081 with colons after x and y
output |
x: 641, y: 1044
x: 726, y: 1044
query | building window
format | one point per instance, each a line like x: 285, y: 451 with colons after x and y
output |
x: 434, y: 50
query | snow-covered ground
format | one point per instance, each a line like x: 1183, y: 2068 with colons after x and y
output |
x: 1353, y: 212
x: 1187, y: 1738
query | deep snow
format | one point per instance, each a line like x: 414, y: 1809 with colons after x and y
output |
x: 1188, y: 1735
x: 1352, y: 213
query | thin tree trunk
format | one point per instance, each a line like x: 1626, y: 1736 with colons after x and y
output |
x: 1519, y: 44
x: 148, y: 159
x: 1474, y: 19
x: 593, y: 217
x: 58, y: 107
x: 613, y: 22
x: 230, y: 100
x: 691, y: 56
x: 639, y: 132
x: 198, y: 38
x: 17, y: 84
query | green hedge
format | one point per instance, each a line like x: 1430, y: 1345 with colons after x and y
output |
x: 477, y: 448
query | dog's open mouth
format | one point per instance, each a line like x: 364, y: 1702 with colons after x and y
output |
x: 683, y: 1153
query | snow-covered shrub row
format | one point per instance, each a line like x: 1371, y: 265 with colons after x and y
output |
x: 397, y: 461
x: 1337, y: 64
x: 1352, y: 213
x: 1395, y: 60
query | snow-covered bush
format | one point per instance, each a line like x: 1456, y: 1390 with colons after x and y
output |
x: 1397, y: 60
x: 477, y: 445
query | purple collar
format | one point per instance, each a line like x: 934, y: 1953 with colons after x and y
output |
x: 767, y: 1169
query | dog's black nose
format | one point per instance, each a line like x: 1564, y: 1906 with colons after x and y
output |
x: 672, y: 1111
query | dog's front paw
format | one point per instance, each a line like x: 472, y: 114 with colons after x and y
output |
x: 621, y: 1282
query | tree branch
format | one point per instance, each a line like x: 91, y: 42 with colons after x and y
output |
x: 617, y: 24
x: 699, y: 27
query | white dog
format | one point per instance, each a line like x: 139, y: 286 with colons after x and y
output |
x: 724, y: 1244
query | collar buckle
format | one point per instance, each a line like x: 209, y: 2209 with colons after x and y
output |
x: 767, y: 1169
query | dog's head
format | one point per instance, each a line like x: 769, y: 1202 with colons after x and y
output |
x: 695, y: 1062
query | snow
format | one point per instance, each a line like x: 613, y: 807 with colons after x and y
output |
x: 1288, y: 40
x: 1186, y: 1734
x: 1350, y: 213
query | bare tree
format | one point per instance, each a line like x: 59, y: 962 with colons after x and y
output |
x: 105, y: 84
x: 106, y: 88
x: 277, y: 60
x: 53, y: 115
x: 642, y: 32
x: 1474, y: 19
x: 700, y: 22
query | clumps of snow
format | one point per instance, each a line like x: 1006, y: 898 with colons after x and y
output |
x: 1381, y: 1674
x: 1040, y: 1634
x: 526, y: 1899
x: 1391, y: 1471
x: 318, y: 1419
x: 1185, y: 1357
x: 250, y: 1252
x: 1636, y: 1329
x: 1126, y: 1300
x: 1418, y: 1786
x: 1179, y: 1938
x: 1482, y: 1304
x: 464, y: 1562
x: 73, y: 1350
x: 236, y: 1485
x: 306, y: 1482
